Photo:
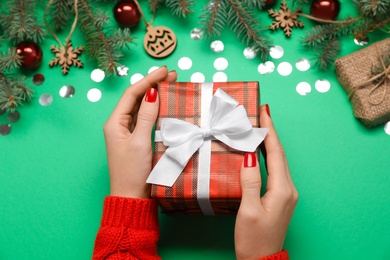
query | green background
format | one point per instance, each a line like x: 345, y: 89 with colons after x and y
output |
x: 54, y: 177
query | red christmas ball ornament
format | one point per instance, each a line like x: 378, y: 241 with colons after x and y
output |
x: 126, y: 13
x: 31, y: 53
x: 325, y: 9
x: 269, y: 2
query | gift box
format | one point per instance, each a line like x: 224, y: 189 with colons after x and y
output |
x: 364, y: 75
x: 194, y: 193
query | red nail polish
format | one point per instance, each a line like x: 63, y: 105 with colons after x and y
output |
x: 151, y: 95
x: 250, y: 160
x: 267, y: 109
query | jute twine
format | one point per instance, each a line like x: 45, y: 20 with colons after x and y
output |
x: 370, y: 99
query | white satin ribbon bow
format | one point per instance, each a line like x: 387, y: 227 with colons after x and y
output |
x: 228, y: 123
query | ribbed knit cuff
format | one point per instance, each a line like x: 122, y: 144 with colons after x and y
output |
x: 137, y: 214
x: 283, y: 255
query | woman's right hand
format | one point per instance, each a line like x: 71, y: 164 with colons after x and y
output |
x: 262, y: 223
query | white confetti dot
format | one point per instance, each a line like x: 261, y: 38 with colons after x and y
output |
x: 387, y: 128
x: 303, y: 88
x: 322, y: 85
x: 184, y: 63
x: 249, y: 53
x: 276, y: 52
x: 217, y: 46
x: 285, y: 68
x: 45, y: 99
x: 303, y: 64
x: 221, y: 64
x: 197, y: 77
x: 266, y: 68
x: 94, y: 95
x: 220, y: 77
x: 135, y: 78
x: 97, y: 75
x: 152, y: 69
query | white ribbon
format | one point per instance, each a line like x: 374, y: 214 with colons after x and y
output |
x: 228, y: 123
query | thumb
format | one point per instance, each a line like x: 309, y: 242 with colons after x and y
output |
x: 147, y: 114
x: 250, y: 180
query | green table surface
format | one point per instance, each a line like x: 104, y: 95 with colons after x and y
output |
x: 54, y: 177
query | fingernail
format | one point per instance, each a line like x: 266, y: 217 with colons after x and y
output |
x: 267, y: 109
x: 151, y: 95
x: 250, y: 160
x: 172, y: 71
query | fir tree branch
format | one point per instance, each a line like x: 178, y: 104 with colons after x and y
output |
x: 374, y: 9
x: 19, y: 22
x: 254, y: 3
x: 300, y: 3
x: 12, y: 92
x: 105, y: 49
x: 180, y: 8
x: 154, y: 5
x: 246, y: 27
x: 60, y: 13
x: 10, y: 61
x: 326, y: 53
x: 213, y: 18
x: 320, y: 33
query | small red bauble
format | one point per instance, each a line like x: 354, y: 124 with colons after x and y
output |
x: 269, y: 2
x: 126, y: 13
x: 31, y: 53
x: 325, y: 9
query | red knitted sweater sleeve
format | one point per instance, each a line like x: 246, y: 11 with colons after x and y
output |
x: 129, y: 230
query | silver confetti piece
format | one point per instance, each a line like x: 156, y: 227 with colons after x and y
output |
x: 387, y: 128
x: 67, y: 91
x: 45, y: 100
x: 122, y: 71
x: 5, y: 129
x: 196, y: 34
x: 361, y: 42
x: 13, y: 116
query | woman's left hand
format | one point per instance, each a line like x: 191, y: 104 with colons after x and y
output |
x: 128, y: 136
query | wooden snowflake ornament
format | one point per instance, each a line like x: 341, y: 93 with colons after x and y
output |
x: 66, y: 56
x: 285, y: 19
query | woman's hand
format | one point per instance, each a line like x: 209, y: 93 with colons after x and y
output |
x: 128, y: 136
x: 261, y: 223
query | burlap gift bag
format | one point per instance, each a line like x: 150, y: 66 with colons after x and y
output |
x: 183, y: 101
x: 369, y: 95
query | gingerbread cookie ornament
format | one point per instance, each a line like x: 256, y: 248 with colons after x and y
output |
x: 159, y: 41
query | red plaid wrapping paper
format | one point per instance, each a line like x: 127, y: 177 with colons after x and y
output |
x: 182, y: 100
